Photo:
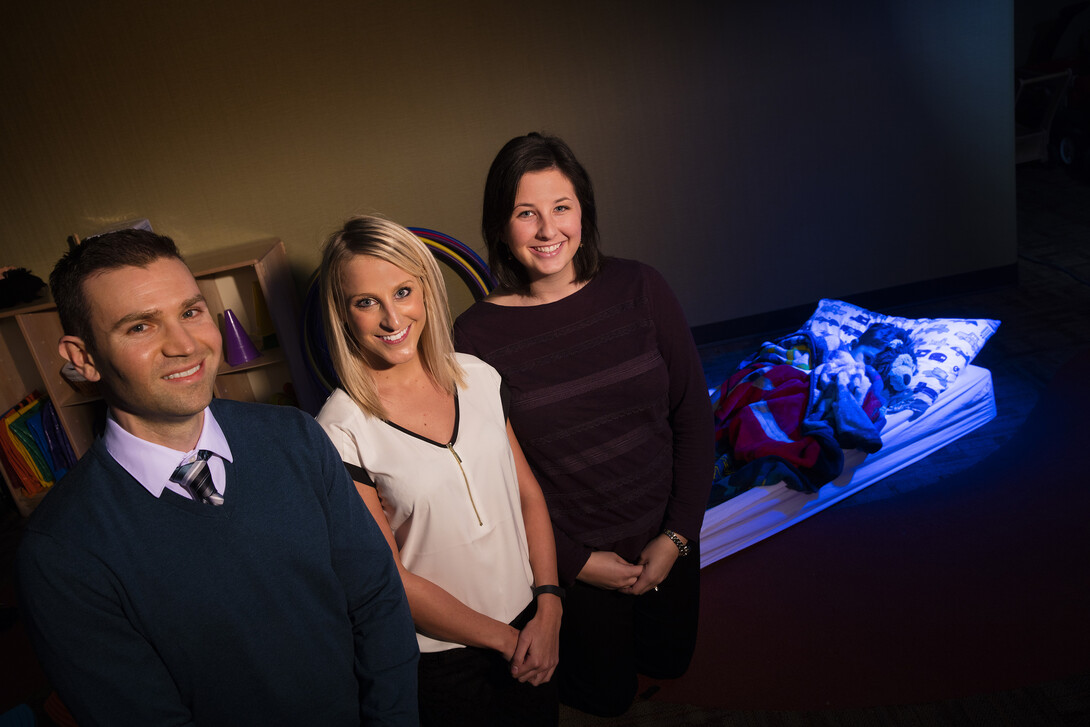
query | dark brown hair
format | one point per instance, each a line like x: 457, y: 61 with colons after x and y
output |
x: 109, y: 251
x: 534, y: 153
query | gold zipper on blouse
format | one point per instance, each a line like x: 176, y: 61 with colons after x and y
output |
x: 458, y: 459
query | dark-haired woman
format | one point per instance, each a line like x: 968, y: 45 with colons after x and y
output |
x: 609, y: 402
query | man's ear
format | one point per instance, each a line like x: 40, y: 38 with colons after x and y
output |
x: 75, y: 350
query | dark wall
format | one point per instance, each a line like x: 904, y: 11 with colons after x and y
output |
x: 761, y: 153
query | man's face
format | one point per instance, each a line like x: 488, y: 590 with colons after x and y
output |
x: 157, y: 347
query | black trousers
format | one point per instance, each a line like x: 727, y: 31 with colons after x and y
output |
x: 607, y: 638
x: 472, y: 686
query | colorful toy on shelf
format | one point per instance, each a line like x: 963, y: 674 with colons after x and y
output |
x: 237, y: 346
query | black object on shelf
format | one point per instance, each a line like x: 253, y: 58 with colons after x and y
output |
x: 18, y: 286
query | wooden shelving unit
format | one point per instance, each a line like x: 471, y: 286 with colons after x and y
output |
x: 228, y: 278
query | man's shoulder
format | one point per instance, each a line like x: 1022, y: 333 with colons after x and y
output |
x: 235, y: 407
x: 267, y: 430
x: 81, y: 499
x: 230, y: 413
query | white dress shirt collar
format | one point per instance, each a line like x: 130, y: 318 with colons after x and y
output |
x: 152, y: 464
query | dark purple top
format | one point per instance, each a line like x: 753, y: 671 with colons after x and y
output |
x: 610, y: 405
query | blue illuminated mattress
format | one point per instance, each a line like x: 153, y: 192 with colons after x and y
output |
x: 753, y: 515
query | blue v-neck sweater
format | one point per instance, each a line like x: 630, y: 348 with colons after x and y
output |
x: 282, y: 606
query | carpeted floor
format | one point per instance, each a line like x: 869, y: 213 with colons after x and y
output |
x: 954, y: 592
x: 975, y: 587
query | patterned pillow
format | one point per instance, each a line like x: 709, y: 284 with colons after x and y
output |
x: 943, y: 346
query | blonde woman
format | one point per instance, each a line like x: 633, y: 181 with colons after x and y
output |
x: 424, y: 434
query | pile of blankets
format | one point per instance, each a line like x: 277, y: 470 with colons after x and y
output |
x: 789, y: 412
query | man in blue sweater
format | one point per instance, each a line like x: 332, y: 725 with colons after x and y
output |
x: 270, y: 599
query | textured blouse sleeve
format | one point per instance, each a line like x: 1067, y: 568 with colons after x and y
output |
x: 690, y: 411
x: 463, y: 341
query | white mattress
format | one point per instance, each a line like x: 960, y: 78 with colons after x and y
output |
x: 756, y: 514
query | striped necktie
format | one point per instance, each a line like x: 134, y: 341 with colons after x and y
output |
x: 196, y: 478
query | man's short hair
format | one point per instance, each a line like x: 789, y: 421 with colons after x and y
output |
x: 96, y: 255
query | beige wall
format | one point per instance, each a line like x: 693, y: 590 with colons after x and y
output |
x: 730, y: 142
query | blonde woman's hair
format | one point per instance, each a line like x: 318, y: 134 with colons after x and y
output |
x: 389, y: 241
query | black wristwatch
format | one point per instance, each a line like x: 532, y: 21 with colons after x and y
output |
x: 555, y: 590
x: 682, y: 548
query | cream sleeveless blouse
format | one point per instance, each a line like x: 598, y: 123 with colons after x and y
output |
x: 454, y: 507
